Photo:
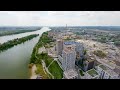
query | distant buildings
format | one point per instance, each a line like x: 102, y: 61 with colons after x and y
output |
x: 50, y: 34
x: 72, y: 57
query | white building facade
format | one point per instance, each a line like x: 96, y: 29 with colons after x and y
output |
x: 68, y: 61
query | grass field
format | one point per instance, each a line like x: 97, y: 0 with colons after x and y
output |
x: 55, y: 70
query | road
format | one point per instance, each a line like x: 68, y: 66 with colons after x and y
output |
x: 44, y: 65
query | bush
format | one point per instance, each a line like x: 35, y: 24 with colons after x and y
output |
x: 85, y: 51
x: 14, y: 42
x: 99, y: 53
x: 30, y: 65
x: 117, y: 43
x: 36, y: 71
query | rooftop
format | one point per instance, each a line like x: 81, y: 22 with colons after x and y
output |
x: 90, y: 60
x: 59, y: 39
x: 108, y: 70
x: 112, y: 73
x: 103, y: 67
x: 68, y: 50
x: 71, y: 42
x: 92, y: 72
x: 70, y: 73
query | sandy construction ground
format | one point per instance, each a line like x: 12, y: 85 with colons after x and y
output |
x: 33, y: 76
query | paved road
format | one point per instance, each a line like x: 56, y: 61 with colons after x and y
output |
x: 50, y: 63
x: 44, y: 65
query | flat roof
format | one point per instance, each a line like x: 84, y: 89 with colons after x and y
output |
x: 70, y: 73
x: 90, y: 60
x: 71, y: 42
x: 103, y: 67
x: 68, y: 50
x: 92, y: 72
x: 108, y: 70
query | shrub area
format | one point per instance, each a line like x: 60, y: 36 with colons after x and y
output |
x: 14, y: 42
x: 99, y: 53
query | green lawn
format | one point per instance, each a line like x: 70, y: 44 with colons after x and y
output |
x: 55, y: 70
x: 48, y: 61
x: 92, y: 72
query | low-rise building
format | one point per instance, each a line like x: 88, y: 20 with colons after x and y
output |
x: 88, y: 64
x: 106, y: 73
x: 70, y: 74
x: 91, y: 74
x: 42, y: 50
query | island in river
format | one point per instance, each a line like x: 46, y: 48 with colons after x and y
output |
x: 14, y: 61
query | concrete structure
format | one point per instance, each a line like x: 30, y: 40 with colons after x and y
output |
x: 88, y: 64
x: 70, y: 74
x: 50, y: 34
x: 69, y: 56
x: 51, y: 52
x: 91, y: 74
x: 67, y: 45
x: 79, y: 50
x: 77, y: 46
x: 59, y: 46
x: 106, y: 73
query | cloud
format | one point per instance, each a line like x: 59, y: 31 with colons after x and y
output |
x: 27, y: 18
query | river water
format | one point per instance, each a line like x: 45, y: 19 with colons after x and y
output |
x: 14, y: 61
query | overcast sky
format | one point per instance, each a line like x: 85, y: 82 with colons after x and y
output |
x: 59, y: 18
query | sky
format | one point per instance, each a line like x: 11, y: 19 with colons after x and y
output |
x: 59, y: 18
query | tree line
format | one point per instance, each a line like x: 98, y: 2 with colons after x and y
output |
x: 16, y: 41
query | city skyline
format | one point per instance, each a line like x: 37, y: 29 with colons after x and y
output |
x: 59, y: 18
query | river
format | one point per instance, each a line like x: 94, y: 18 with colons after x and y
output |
x: 14, y: 61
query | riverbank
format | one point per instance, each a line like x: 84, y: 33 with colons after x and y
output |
x: 33, y: 75
x: 47, y: 67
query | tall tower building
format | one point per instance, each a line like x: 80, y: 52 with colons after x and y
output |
x: 59, y: 46
x: 69, y: 56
